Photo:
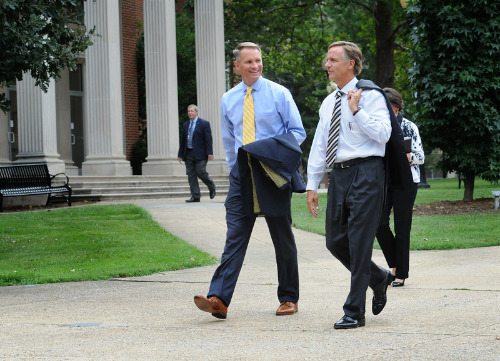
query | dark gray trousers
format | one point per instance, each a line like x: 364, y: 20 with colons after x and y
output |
x: 355, y: 197
x: 197, y: 169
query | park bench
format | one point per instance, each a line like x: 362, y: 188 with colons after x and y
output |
x: 32, y: 179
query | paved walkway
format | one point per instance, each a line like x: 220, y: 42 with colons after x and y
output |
x: 449, y: 309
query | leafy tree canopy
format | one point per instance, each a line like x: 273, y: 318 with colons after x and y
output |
x: 457, y: 75
x: 41, y: 37
x: 294, y: 37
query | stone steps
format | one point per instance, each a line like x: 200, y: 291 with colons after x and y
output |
x: 100, y: 188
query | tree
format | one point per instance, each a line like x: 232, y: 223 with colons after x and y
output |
x: 457, y: 75
x: 41, y: 37
x: 294, y: 36
x: 387, y: 21
x: 186, y: 60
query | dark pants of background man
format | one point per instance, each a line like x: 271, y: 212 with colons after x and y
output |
x: 355, y: 197
x: 239, y: 230
x: 197, y: 169
x: 396, y: 246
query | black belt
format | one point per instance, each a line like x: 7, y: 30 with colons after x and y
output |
x: 351, y: 162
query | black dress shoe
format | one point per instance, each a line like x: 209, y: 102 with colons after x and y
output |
x: 192, y: 199
x: 348, y: 322
x: 212, y: 193
x: 398, y: 284
x: 380, y: 294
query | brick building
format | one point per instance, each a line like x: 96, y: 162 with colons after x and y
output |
x: 88, y: 120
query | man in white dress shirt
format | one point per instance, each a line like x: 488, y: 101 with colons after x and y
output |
x: 355, y: 193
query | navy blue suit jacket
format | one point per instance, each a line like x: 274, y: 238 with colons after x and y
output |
x: 202, y: 140
x: 397, y: 168
x: 282, y: 154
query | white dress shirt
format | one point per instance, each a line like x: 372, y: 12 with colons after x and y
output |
x: 362, y: 135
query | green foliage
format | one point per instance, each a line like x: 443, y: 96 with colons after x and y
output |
x: 141, y: 73
x: 457, y: 75
x: 294, y: 37
x: 186, y: 61
x: 89, y: 243
x: 447, y: 190
x: 138, y: 155
x: 40, y: 37
x: 139, y: 151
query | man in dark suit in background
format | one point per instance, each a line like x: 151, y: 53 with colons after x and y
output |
x: 195, y: 150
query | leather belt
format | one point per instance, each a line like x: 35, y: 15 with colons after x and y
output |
x: 351, y: 162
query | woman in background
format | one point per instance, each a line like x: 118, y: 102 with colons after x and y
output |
x: 396, y: 246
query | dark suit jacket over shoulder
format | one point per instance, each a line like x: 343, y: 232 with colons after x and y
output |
x: 397, y: 167
x: 282, y: 154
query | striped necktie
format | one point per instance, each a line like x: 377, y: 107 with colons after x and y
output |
x: 248, y: 118
x: 333, y: 134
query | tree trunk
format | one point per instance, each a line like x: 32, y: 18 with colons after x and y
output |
x: 469, y: 187
x: 384, y: 58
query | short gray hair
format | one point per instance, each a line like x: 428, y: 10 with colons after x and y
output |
x: 193, y: 106
x: 247, y: 44
x: 351, y: 52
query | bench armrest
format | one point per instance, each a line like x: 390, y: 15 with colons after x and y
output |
x: 58, y: 174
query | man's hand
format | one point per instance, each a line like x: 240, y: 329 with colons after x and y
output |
x: 210, y: 157
x: 312, y: 202
x: 179, y: 159
x: 353, y: 99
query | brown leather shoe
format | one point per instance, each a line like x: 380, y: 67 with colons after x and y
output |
x: 287, y: 308
x: 211, y: 305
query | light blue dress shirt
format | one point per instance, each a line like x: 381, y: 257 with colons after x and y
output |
x: 192, y: 125
x: 275, y: 113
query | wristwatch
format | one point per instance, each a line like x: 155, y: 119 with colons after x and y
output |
x: 356, y: 111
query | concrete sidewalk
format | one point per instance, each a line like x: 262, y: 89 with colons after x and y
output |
x: 448, y: 310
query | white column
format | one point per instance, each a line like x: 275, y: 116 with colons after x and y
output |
x: 37, y: 132
x: 4, y: 135
x: 161, y: 89
x: 210, y: 72
x: 104, y: 133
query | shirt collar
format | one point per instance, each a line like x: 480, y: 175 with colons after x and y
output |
x: 255, y: 86
x: 349, y: 86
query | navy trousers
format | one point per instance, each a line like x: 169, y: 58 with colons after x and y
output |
x: 239, y: 230
x: 396, y: 246
x: 355, y: 197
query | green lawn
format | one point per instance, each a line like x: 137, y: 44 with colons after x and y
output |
x: 428, y: 232
x: 89, y: 243
x: 100, y: 242
x: 447, y: 190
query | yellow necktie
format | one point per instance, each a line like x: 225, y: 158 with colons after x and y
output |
x: 248, y: 118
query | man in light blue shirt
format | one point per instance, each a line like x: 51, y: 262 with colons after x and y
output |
x: 275, y: 113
